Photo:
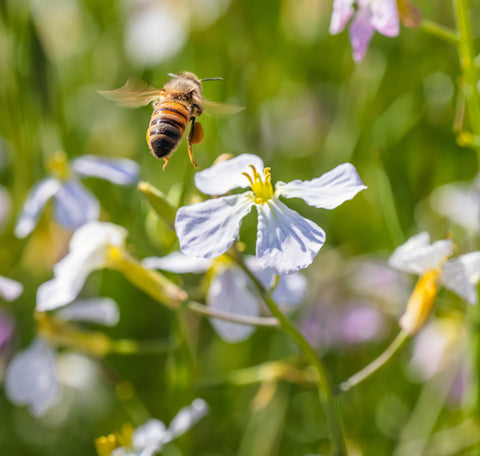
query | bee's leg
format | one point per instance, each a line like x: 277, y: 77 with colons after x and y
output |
x: 194, y: 137
x: 166, y: 162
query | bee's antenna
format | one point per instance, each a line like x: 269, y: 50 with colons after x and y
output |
x: 173, y: 75
x: 211, y: 79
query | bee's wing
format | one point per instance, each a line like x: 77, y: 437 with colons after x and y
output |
x: 220, y: 109
x: 134, y: 93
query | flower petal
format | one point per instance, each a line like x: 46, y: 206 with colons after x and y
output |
x: 361, y: 32
x: 121, y: 171
x: 10, y: 289
x: 227, y: 175
x: 385, y: 17
x: 471, y: 262
x: 103, y: 311
x: 36, y: 199
x: 328, y: 191
x: 208, y: 229
x: 286, y: 241
x: 152, y: 434
x: 291, y: 288
x: 177, y: 262
x: 87, y: 253
x: 342, y: 11
x: 416, y: 256
x: 32, y: 378
x: 459, y: 203
x: 229, y: 293
x: 75, y: 205
x: 187, y: 417
x: 456, y: 278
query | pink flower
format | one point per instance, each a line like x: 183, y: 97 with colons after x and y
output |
x: 368, y: 16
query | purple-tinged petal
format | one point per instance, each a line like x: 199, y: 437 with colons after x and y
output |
x: 291, y: 288
x: 103, y: 311
x: 178, y: 263
x: 32, y: 378
x: 36, y: 200
x: 342, y: 11
x: 208, y: 229
x: 286, y: 241
x: 361, y: 32
x: 10, y: 289
x: 328, y: 191
x: 227, y: 175
x: 75, y: 205
x: 385, y: 17
x: 229, y: 293
x: 121, y: 171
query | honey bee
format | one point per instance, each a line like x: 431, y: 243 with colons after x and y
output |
x: 179, y: 102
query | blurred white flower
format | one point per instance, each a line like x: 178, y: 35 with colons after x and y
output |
x: 440, y: 350
x: 74, y: 205
x: 460, y: 203
x: 88, y: 252
x: 286, y: 241
x: 230, y: 289
x: 150, y: 438
x: 418, y: 256
x: 10, y: 289
x: 155, y: 31
x: 32, y: 377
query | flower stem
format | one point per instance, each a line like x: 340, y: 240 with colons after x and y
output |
x: 324, y: 385
x: 371, y: 368
x: 440, y: 31
x: 467, y: 55
x: 243, y: 319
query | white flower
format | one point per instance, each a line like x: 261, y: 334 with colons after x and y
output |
x: 460, y: 203
x: 10, y: 289
x: 149, y: 438
x: 74, y: 205
x: 88, y: 252
x: 32, y: 377
x: 231, y: 291
x: 286, y: 242
x: 429, y: 261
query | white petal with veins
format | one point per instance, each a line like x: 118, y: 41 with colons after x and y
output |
x: 227, y: 175
x: 286, y: 241
x: 208, y: 229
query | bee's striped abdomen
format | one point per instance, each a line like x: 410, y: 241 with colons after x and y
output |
x: 168, y: 123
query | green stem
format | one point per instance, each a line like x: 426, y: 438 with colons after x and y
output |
x: 467, y: 55
x: 439, y: 31
x: 324, y: 385
x: 371, y: 368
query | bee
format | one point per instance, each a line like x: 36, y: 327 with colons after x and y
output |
x: 179, y: 102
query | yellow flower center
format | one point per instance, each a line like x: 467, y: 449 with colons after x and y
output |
x: 106, y: 444
x: 261, y: 188
x: 57, y: 165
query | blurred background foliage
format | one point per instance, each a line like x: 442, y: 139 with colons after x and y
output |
x: 309, y: 107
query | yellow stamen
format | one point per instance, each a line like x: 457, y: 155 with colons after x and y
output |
x: 261, y: 188
x: 420, y: 303
x: 57, y: 165
x: 106, y: 444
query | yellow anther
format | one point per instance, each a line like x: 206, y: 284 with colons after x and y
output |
x: 105, y: 445
x: 261, y: 188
